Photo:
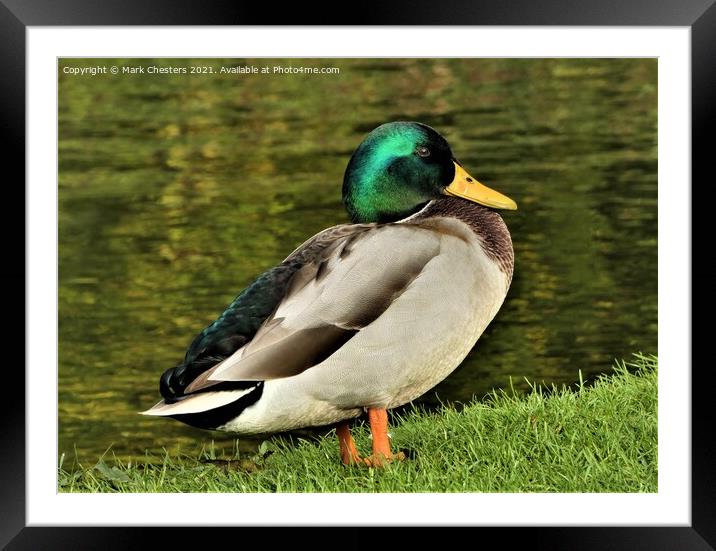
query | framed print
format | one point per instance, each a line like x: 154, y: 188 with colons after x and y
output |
x: 128, y: 152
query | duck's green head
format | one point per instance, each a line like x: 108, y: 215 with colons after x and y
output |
x: 399, y: 167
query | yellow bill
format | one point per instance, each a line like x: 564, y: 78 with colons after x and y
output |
x: 465, y: 186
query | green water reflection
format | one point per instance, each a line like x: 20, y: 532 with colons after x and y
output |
x: 175, y: 191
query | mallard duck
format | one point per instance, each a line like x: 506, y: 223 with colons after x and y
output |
x: 361, y: 317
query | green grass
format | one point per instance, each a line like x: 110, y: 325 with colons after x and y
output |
x: 600, y: 437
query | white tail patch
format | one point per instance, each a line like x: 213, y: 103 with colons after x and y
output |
x: 197, y: 403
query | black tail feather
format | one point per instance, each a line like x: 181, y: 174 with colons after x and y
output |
x: 214, y: 418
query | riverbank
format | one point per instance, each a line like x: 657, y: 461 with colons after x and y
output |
x: 600, y: 436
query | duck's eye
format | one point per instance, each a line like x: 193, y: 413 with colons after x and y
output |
x: 423, y: 151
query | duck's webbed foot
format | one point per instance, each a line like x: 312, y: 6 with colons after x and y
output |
x: 380, y: 460
x: 382, y: 455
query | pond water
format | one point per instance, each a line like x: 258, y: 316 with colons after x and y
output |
x: 175, y: 191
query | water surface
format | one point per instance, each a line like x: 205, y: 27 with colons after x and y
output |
x: 176, y: 191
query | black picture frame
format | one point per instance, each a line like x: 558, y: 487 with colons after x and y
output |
x: 16, y: 15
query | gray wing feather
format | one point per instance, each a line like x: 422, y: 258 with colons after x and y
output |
x: 350, y: 282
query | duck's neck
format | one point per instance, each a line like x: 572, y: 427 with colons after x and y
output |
x: 486, y: 223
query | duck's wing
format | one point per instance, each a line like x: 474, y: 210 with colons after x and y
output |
x: 238, y: 324
x: 344, y: 284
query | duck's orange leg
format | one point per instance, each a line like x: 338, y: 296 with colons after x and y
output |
x: 349, y: 453
x: 378, y: 419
